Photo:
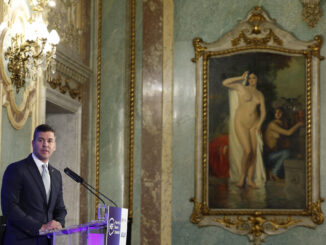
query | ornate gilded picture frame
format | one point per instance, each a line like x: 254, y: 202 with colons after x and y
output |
x: 257, y: 130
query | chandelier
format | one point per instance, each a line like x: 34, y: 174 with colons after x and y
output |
x: 31, y: 52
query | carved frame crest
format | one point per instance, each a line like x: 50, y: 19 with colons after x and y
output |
x: 257, y: 36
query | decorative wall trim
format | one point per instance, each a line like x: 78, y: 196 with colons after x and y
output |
x: 69, y: 77
x: 167, y: 134
x: 17, y: 112
x: 65, y: 102
x: 132, y: 105
x: 63, y: 86
x: 311, y: 12
x: 98, y: 96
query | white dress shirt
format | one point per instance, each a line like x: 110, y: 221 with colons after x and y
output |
x: 39, y: 164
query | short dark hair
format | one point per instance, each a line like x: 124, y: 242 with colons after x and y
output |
x: 43, y: 128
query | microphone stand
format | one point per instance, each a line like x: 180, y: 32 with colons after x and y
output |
x: 80, y: 180
x: 91, y: 187
x: 93, y: 193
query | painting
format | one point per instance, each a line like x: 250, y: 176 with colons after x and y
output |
x: 257, y: 145
x: 280, y: 81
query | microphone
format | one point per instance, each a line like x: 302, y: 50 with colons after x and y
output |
x: 80, y: 180
x: 73, y: 175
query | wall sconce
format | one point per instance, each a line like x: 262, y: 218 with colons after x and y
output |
x: 32, y: 51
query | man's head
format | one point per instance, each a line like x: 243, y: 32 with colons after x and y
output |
x: 44, y: 142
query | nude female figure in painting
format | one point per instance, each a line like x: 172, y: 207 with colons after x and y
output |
x: 249, y: 115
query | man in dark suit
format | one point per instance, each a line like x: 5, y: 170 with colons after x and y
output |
x: 31, y: 194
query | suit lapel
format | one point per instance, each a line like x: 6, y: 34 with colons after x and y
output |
x: 36, y: 175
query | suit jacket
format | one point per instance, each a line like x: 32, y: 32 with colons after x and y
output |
x: 23, y: 202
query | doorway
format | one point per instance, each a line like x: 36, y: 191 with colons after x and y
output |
x: 64, y: 115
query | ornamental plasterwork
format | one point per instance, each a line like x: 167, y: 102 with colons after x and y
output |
x: 19, y: 105
x: 63, y: 86
x: 311, y: 12
x: 69, y: 77
x: 257, y: 34
x: 67, y: 19
x: 70, y: 74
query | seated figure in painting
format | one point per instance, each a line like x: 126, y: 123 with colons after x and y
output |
x: 276, y: 150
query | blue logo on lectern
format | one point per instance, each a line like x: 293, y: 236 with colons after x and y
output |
x: 117, y: 226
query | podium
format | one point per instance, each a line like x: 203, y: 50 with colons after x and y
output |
x: 89, y: 234
x: 111, y: 229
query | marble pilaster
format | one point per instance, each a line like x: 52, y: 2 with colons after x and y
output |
x: 151, y: 122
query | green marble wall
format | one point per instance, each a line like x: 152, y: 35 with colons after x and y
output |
x: 210, y: 19
x: 138, y: 125
x: 15, y: 144
x: 113, y: 141
x: 113, y: 92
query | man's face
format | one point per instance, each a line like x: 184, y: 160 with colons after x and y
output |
x: 44, y: 145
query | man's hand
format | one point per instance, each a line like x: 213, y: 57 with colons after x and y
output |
x: 51, y: 225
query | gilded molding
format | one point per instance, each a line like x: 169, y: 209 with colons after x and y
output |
x: 17, y: 114
x: 69, y: 77
x: 257, y: 24
x: 98, y: 96
x: 311, y: 12
x: 64, y: 87
x: 255, y: 20
x: 256, y: 28
x: 317, y: 214
x: 257, y: 41
x: 198, y: 48
x: 315, y: 48
x: 196, y: 215
x: 256, y: 225
x: 204, y: 123
x: 309, y: 133
x: 132, y: 105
